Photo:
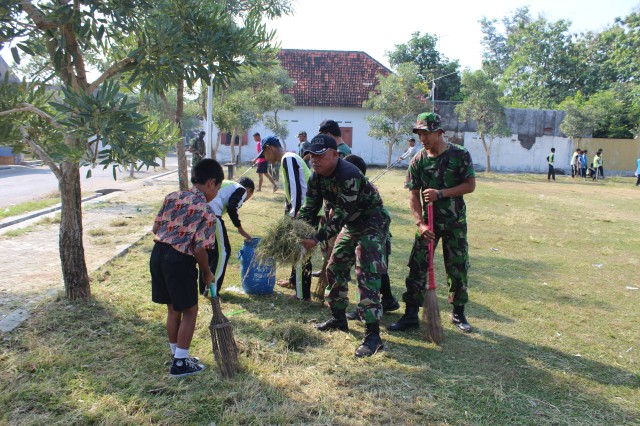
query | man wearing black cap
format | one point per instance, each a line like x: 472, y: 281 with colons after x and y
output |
x: 331, y: 128
x: 361, y: 223
x: 441, y: 174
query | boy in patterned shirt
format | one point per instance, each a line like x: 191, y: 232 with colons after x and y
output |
x: 184, y: 229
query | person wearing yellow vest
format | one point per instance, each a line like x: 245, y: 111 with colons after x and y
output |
x: 550, y: 159
x: 230, y: 198
x: 597, y: 165
x: 295, y: 175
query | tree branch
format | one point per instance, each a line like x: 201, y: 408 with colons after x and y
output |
x: 36, y: 16
x: 167, y: 106
x: 76, y: 56
x: 25, y: 107
x: 40, y: 153
x: 113, y: 70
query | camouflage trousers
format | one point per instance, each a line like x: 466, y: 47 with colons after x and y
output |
x: 363, y: 246
x: 195, y: 158
x: 455, y: 250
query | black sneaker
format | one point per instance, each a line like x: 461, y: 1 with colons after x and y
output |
x: 193, y: 359
x: 184, y: 367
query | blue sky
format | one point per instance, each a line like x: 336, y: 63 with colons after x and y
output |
x: 376, y: 26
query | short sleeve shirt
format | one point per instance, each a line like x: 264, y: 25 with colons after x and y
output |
x: 186, y: 221
x: 447, y: 170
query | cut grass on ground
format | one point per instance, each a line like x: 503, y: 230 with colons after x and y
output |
x: 556, y: 339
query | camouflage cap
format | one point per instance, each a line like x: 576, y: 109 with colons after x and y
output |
x: 429, y: 121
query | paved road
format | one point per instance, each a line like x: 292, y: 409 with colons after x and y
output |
x: 19, y: 184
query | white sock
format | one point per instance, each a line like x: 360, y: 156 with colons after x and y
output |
x: 181, y: 353
x: 173, y: 348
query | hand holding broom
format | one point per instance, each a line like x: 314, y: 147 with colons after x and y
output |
x: 225, y: 350
x: 431, y: 312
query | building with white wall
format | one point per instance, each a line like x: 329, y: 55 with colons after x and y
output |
x: 327, y: 85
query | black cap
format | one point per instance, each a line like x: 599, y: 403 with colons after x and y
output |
x: 268, y: 141
x: 320, y: 144
x: 330, y: 126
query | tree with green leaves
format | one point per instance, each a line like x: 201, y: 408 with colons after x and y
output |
x: 64, y: 131
x: 434, y: 69
x: 482, y: 105
x: 579, y: 120
x: 536, y: 61
x: 397, y: 101
x: 184, y: 42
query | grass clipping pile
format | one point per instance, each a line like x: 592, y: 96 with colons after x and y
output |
x: 282, y: 242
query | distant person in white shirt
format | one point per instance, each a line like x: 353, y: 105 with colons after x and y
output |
x: 411, y: 151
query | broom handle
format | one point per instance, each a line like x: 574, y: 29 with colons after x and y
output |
x: 299, y: 274
x: 431, y: 247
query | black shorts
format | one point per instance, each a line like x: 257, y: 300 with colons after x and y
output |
x: 174, y: 277
x: 262, y: 167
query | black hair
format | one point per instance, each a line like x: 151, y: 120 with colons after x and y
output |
x: 256, y: 134
x: 206, y: 169
x: 553, y: 150
x: 331, y: 127
x: 358, y: 162
x: 412, y: 139
x: 202, y: 133
x: 247, y: 183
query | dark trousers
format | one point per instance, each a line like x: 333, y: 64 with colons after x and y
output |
x: 638, y: 181
x: 551, y: 173
x: 601, y: 171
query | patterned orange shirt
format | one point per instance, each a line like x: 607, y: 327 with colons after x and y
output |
x: 186, y: 221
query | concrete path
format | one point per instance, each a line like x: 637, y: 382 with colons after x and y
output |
x: 30, y: 267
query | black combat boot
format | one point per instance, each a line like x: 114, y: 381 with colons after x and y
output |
x: 338, y: 321
x: 372, y: 342
x: 390, y: 305
x: 458, y: 318
x: 408, y: 321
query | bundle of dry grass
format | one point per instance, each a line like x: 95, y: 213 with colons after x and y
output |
x: 225, y: 350
x: 282, y: 242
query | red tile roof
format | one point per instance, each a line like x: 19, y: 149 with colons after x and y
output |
x: 331, y: 78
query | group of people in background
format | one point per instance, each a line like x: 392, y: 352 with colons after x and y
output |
x: 580, y: 166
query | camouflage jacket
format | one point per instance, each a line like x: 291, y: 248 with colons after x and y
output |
x: 353, y: 200
x: 447, y: 170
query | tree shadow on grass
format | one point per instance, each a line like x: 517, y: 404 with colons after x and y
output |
x: 496, y: 376
x: 100, y: 363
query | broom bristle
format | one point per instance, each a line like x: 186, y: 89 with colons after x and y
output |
x: 225, y: 350
x: 431, y: 316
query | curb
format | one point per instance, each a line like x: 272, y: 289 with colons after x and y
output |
x: 58, y: 206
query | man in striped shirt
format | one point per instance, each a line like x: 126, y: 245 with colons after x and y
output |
x: 295, y: 174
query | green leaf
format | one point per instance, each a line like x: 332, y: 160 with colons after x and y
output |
x: 15, y: 54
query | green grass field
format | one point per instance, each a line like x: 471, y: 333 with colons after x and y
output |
x: 554, y: 304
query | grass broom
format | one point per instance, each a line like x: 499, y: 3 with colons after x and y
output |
x: 431, y: 311
x: 225, y: 350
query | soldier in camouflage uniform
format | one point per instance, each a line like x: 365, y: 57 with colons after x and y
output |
x: 441, y: 174
x: 198, y: 149
x: 362, y: 224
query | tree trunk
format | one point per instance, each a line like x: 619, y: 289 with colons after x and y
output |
x: 233, y: 146
x: 183, y: 175
x: 390, y: 152
x: 132, y: 170
x: 74, y: 267
x: 487, y: 151
x: 239, y: 151
x: 214, y: 152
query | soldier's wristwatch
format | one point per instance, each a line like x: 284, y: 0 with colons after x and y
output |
x: 440, y: 196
